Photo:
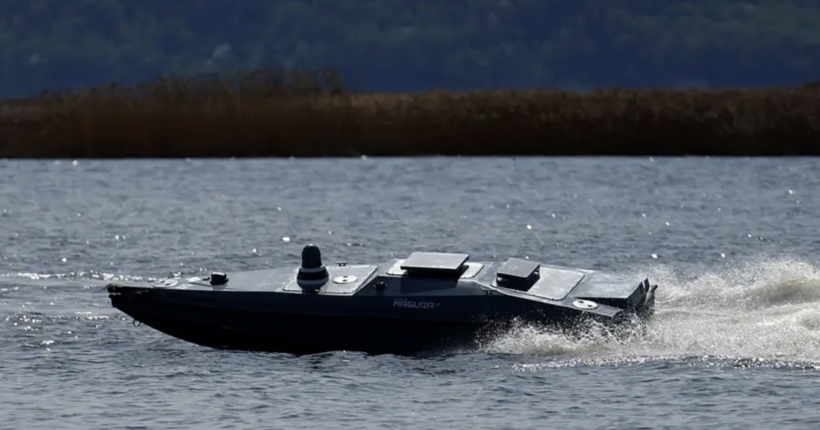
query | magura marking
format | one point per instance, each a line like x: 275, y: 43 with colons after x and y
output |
x: 412, y: 304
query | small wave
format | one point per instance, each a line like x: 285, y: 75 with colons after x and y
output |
x: 767, y: 309
x: 87, y: 280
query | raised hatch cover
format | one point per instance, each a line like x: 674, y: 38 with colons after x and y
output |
x: 518, y: 268
x: 443, y: 262
x: 555, y: 284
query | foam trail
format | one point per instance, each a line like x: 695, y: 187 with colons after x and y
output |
x: 764, y: 309
x: 95, y: 281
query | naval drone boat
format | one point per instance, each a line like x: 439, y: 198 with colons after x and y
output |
x: 429, y: 301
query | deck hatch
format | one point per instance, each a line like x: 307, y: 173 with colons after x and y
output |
x: 442, y: 263
x: 517, y: 274
x: 556, y: 284
x: 517, y: 268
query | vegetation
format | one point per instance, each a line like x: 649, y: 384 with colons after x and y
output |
x: 269, y: 113
x: 488, y: 57
x: 401, y: 46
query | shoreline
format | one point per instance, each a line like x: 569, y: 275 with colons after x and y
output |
x: 185, y: 119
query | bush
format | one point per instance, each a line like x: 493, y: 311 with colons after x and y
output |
x: 310, y: 114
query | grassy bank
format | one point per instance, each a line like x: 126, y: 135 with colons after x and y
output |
x: 266, y: 113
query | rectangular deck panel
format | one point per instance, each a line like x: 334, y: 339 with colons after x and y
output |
x: 470, y: 271
x: 435, y: 262
x: 517, y: 268
x: 342, y: 280
x: 555, y: 284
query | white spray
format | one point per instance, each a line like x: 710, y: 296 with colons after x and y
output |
x: 763, y: 309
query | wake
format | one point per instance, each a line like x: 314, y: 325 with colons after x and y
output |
x: 768, y: 309
x: 763, y: 310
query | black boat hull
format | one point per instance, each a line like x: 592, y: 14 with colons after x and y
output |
x: 297, y: 334
x: 249, y: 326
x: 429, y: 302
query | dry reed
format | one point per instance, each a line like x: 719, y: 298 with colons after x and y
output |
x: 305, y: 114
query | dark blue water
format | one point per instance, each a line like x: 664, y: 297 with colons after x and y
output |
x: 733, y: 243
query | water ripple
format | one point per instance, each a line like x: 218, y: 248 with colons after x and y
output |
x: 736, y: 343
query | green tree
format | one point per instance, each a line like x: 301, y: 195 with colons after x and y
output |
x: 394, y: 45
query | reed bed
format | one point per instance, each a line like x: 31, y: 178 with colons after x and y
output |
x: 311, y: 114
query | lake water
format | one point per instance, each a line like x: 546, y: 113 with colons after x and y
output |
x: 732, y: 242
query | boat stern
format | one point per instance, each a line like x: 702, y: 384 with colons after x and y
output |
x: 630, y: 296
